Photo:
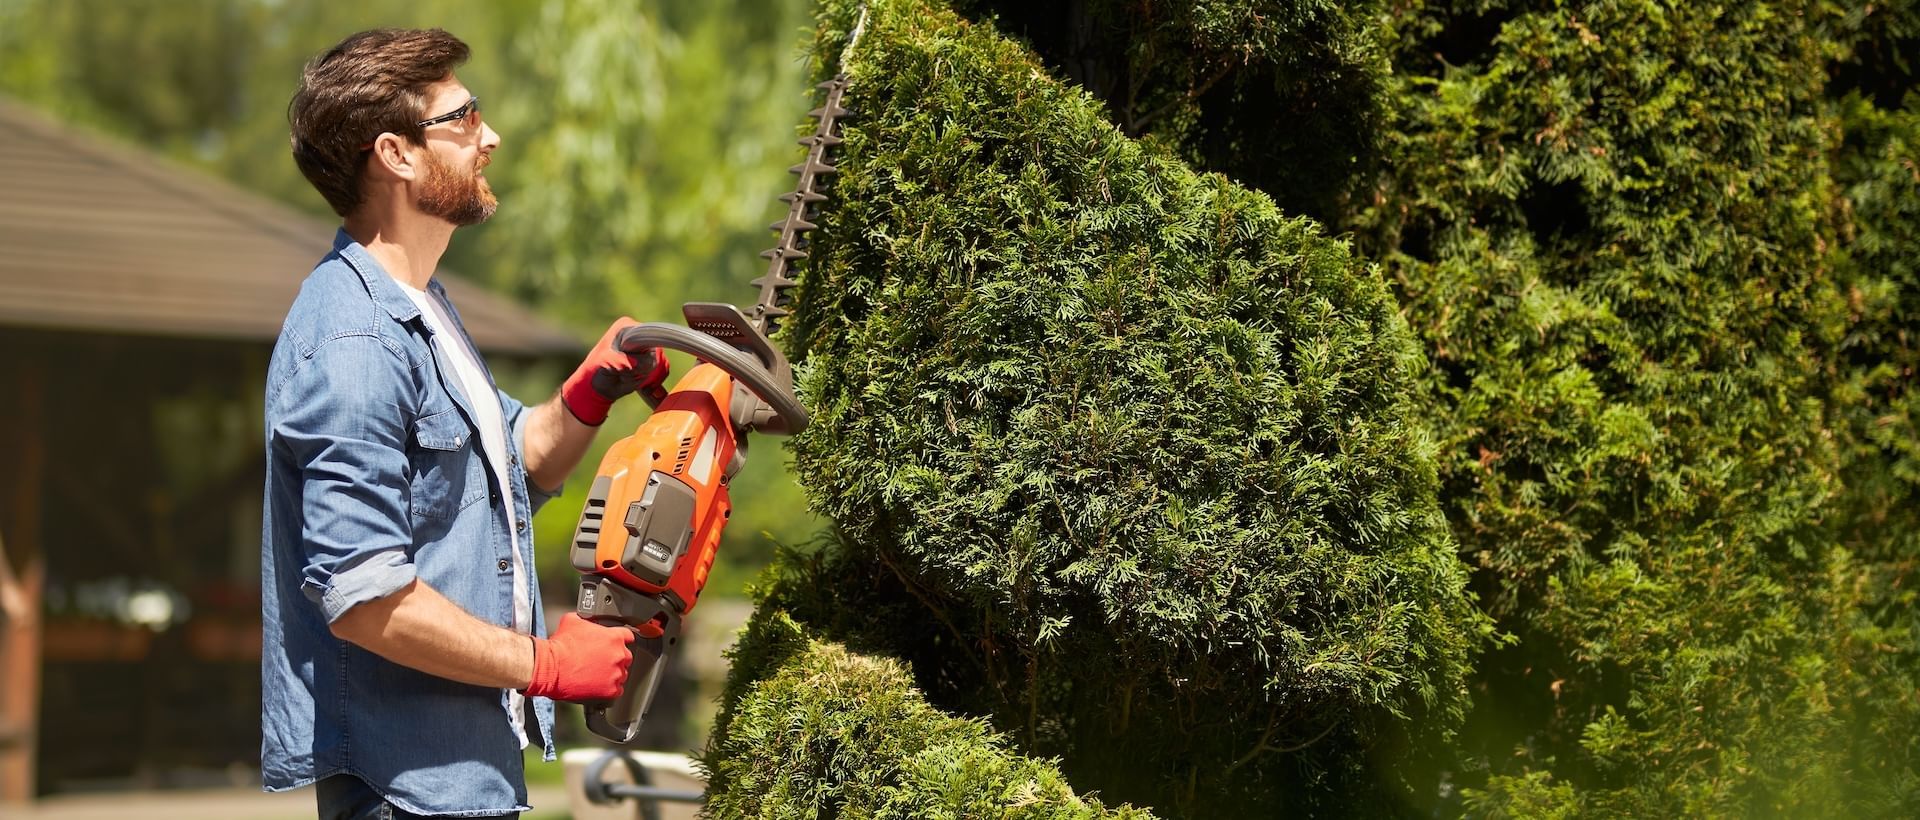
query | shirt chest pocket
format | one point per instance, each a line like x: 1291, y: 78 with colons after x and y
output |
x: 446, y: 474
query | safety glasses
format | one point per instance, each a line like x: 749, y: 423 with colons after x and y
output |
x: 470, y: 110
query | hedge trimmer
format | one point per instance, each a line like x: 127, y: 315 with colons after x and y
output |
x: 653, y: 516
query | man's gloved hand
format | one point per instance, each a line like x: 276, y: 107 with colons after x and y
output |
x: 609, y: 374
x: 582, y: 661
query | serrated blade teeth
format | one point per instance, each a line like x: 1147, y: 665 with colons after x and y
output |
x: 803, y: 213
x: 817, y: 167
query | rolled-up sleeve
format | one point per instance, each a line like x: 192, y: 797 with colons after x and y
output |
x: 516, y: 415
x: 345, y: 430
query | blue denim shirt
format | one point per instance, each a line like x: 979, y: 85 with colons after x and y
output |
x: 375, y: 477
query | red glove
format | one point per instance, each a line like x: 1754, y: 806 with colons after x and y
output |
x: 610, y: 373
x: 582, y: 661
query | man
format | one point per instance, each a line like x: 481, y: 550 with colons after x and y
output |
x: 404, y: 643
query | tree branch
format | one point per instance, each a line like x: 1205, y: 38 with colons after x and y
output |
x: 1192, y: 93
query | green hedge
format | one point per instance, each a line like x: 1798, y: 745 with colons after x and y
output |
x: 810, y: 728
x: 1659, y: 262
x: 1129, y: 450
x: 1616, y: 228
x: 1878, y: 169
x: 1279, y: 95
x: 1647, y: 335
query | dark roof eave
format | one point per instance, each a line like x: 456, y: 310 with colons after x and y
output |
x: 105, y: 238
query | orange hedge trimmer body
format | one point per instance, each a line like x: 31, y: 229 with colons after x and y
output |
x: 650, y: 529
x: 687, y: 440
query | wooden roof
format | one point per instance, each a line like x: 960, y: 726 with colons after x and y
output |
x: 96, y: 237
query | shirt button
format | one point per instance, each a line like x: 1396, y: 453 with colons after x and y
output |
x: 513, y: 461
x: 523, y: 526
x: 504, y: 564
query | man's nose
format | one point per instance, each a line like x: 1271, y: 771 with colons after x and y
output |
x: 489, y: 138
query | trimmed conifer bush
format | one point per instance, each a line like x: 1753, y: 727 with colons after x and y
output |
x: 1627, y: 209
x: 811, y: 728
x: 1121, y: 457
x: 1279, y: 95
x: 1657, y: 263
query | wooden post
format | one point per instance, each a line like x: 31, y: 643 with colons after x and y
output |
x: 22, y: 584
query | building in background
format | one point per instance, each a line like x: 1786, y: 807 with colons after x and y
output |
x: 138, y: 305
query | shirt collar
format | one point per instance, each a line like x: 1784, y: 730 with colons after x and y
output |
x: 380, y: 285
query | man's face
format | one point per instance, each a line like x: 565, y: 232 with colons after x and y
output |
x: 454, y: 187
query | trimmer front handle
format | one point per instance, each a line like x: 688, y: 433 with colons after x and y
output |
x: 779, y: 412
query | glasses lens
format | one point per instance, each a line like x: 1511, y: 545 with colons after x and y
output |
x: 472, y: 119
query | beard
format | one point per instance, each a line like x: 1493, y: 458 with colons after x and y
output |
x: 462, y: 199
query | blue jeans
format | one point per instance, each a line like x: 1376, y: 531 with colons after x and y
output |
x: 345, y: 797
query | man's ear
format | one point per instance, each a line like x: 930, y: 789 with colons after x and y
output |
x: 393, y: 158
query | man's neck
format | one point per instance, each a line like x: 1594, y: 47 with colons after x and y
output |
x: 407, y: 244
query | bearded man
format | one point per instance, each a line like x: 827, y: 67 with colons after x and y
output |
x: 405, y: 662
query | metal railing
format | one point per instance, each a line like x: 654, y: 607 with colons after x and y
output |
x: 601, y: 792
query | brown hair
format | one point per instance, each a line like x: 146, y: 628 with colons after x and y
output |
x: 372, y: 82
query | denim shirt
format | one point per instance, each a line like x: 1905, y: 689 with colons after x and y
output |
x: 375, y: 478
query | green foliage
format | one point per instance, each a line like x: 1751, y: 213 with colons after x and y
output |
x: 1115, y: 427
x: 646, y: 152
x: 1877, y: 168
x: 1280, y: 95
x: 1664, y: 284
x: 1610, y: 226
x: 1616, y: 231
x: 809, y: 727
x: 192, y: 94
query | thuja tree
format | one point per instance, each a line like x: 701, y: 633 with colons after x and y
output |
x: 1121, y: 456
x: 1611, y: 225
x: 1658, y: 258
x: 1877, y: 168
x: 1681, y: 460
x: 1280, y: 95
x: 812, y: 728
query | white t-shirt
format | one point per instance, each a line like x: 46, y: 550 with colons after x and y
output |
x: 470, y: 378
